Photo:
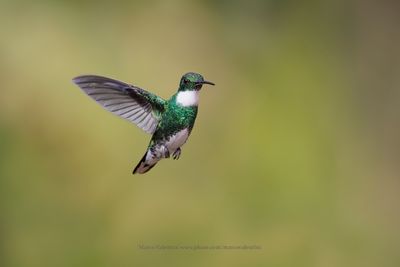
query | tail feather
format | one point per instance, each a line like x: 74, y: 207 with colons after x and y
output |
x: 145, y: 164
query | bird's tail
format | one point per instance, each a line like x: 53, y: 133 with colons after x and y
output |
x: 146, y: 163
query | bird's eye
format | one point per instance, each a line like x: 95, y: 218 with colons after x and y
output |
x: 185, y: 81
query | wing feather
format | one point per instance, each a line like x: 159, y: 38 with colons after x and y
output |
x: 127, y: 101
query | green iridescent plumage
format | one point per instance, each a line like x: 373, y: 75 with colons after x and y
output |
x: 174, y: 119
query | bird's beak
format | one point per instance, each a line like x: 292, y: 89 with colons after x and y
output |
x: 206, y: 82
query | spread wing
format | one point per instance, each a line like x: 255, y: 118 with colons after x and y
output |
x: 127, y: 101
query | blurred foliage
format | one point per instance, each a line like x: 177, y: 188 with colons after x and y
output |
x: 296, y: 149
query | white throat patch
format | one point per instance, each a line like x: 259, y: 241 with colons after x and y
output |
x: 188, y: 98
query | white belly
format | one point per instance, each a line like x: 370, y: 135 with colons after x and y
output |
x: 177, y: 140
x: 172, y: 144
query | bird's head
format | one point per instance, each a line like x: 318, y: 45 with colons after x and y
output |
x: 192, y: 82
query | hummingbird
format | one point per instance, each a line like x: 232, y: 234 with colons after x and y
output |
x: 169, y: 121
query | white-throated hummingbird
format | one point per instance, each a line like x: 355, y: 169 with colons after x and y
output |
x: 169, y: 121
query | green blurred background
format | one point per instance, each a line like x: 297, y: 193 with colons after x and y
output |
x: 296, y: 149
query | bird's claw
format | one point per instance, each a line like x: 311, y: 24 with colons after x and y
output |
x: 177, y: 153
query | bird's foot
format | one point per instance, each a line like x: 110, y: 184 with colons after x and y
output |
x: 177, y: 153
